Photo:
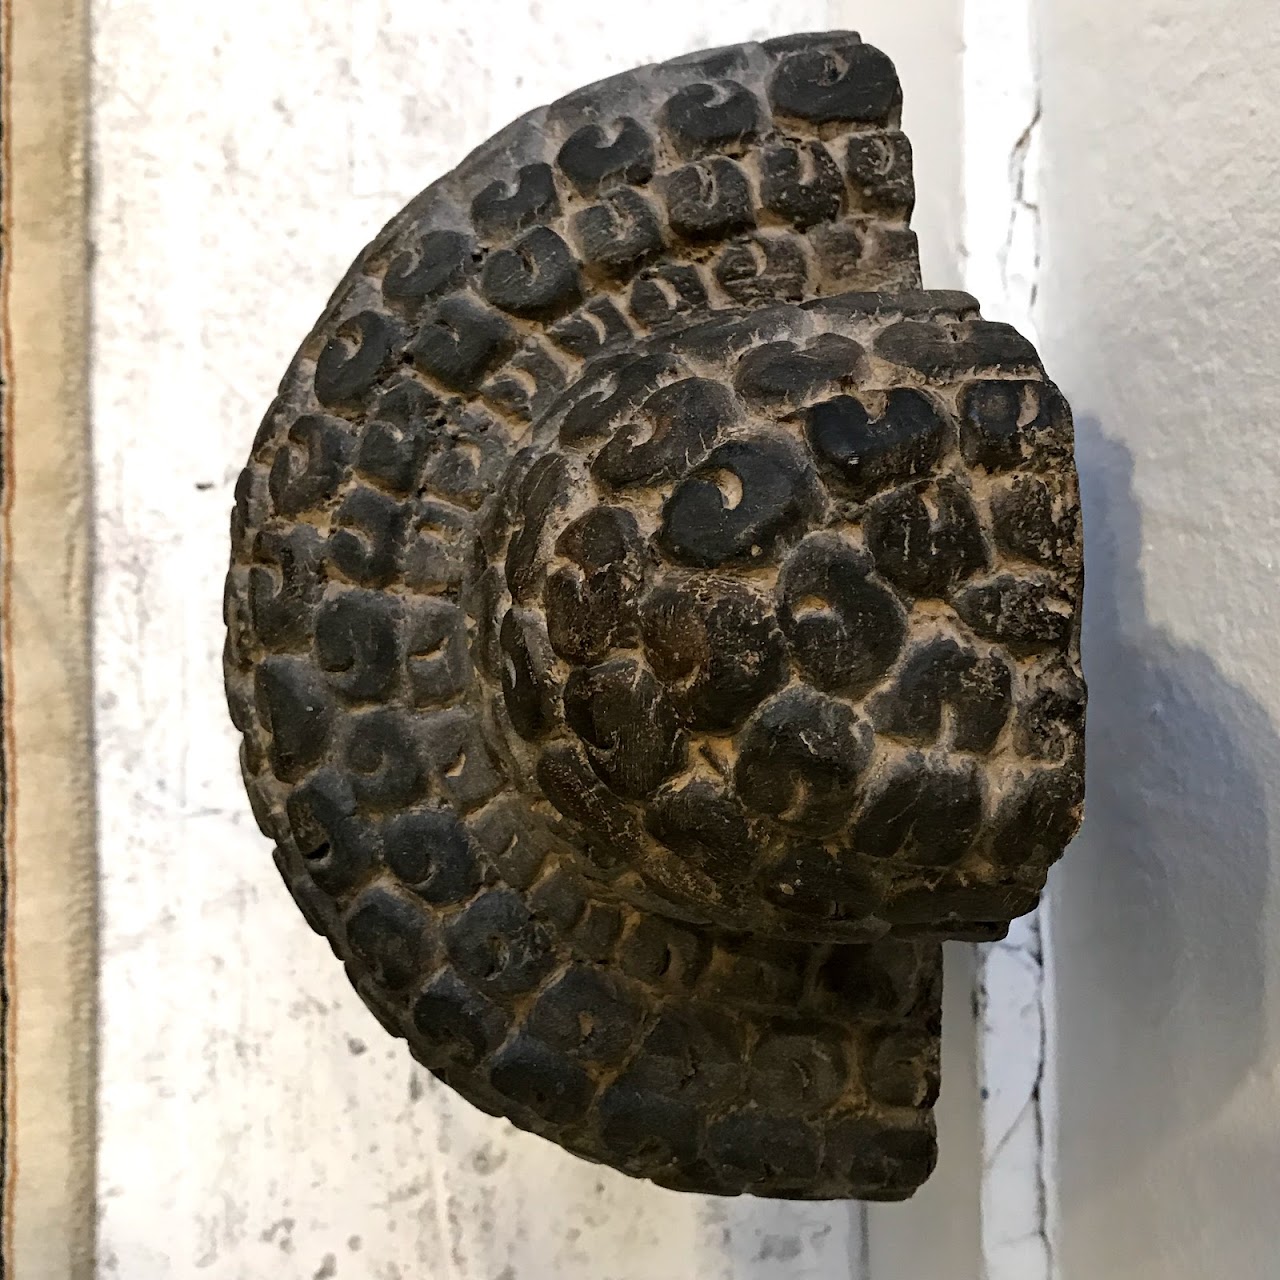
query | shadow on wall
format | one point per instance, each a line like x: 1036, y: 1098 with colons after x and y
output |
x: 1158, y: 910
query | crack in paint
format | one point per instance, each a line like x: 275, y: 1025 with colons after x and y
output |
x: 1020, y: 208
x: 1029, y: 954
x: 1041, y: 1172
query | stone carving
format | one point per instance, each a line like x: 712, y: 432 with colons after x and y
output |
x: 653, y: 624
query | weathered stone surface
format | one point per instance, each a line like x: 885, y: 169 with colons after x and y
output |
x: 653, y: 624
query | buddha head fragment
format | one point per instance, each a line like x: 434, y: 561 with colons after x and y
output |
x: 653, y: 624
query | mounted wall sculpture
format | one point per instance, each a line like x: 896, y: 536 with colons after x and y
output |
x: 653, y: 623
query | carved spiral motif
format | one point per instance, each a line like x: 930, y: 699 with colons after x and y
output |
x: 653, y: 624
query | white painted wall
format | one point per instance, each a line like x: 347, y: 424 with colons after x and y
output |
x: 254, y: 1120
x: 1157, y: 313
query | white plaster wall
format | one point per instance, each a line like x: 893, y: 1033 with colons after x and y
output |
x: 1157, y: 313
x: 254, y: 1120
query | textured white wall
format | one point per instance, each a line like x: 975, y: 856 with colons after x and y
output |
x: 1161, y: 252
x: 254, y: 1120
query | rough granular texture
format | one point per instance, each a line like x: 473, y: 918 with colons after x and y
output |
x: 653, y: 623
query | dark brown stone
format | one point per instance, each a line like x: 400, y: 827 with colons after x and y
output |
x: 653, y: 624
